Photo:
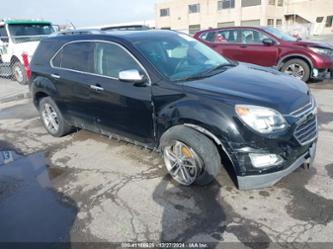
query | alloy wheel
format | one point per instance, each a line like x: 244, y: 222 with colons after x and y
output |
x: 182, y: 162
x: 50, y: 118
x: 295, y: 70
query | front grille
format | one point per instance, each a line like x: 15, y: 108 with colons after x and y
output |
x: 305, y: 110
x: 307, y: 128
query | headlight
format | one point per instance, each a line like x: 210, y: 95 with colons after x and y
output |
x: 324, y: 51
x: 261, y: 119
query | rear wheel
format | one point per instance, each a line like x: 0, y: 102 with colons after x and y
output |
x: 297, y: 68
x: 189, y: 156
x: 19, y: 73
x: 52, y: 118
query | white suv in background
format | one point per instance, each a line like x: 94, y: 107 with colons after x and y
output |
x: 18, y: 42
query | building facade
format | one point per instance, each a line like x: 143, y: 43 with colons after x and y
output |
x: 316, y: 16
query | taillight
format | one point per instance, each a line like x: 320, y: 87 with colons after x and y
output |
x: 26, y: 64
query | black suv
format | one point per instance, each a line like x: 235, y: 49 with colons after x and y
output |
x: 166, y: 90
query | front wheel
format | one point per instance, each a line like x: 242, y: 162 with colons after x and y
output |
x: 189, y: 156
x: 19, y: 73
x: 298, y: 69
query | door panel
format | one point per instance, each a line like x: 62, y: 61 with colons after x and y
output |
x: 71, y: 78
x: 123, y: 107
x: 75, y: 98
x: 254, y: 51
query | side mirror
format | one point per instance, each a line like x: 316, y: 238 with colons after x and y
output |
x: 268, y: 42
x: 132, y: 75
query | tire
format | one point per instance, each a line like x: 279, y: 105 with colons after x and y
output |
x: 60, y: 127
x: 199, y: 146
x: 298, y: 63
x: 19, y: 73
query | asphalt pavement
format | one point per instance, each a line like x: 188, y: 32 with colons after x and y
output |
x: 87, y: 187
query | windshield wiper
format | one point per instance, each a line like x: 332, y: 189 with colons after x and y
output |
x: 220, y: 67
x: 208, y: 73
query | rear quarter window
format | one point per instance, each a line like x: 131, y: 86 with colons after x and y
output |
x: 76, y: 56
x: 56, y: 62
x: 44, y: 52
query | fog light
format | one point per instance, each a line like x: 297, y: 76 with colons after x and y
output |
x: 315, y: 72
x: 265, y: 160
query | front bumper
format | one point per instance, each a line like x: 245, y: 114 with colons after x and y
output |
x: 322, y: 74
x: 267, y: 180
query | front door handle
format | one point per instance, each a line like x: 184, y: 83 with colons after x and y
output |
x: 97, y: 88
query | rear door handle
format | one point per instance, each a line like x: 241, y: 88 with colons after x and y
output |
x: 97, y: 88
x: 56, y: 76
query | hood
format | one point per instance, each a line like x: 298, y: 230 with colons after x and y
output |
x: 256, y: 85
x: 309, y: 43
x: 28, y: 47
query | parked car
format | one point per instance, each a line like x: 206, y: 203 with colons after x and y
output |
x: 267, y: 46
x: 166, y: 90
x: 18, y: 41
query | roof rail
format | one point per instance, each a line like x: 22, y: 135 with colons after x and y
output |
x: 78, y: 32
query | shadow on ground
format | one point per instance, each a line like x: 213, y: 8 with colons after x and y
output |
x: 198, y: 214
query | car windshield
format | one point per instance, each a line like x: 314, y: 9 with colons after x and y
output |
x: 180, y: 57
x: 29, y: 32
x: 277, y: 33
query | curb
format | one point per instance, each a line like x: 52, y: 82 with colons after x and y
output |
x: 15, y: 97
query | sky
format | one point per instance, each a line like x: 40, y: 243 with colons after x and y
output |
x: 81, y: 13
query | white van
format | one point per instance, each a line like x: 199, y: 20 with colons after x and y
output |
x: 18, y: 42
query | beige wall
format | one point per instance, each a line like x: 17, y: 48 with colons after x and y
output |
x: 210, y: 16
x: 310, y: 10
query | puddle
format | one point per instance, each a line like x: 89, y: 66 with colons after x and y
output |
x: 329, y: 169
x: 30, y: 209
x: 23, y: 111
x: 324, y: 118
x: 305, y: 205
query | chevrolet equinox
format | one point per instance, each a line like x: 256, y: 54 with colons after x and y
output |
x: 166, y: 90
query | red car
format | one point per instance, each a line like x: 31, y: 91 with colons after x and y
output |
x: 267, y: 46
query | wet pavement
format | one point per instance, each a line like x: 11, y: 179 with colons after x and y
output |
x: 31, y: 210
x: 88, y: 188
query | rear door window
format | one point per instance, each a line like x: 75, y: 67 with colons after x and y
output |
x: 228, y: 36
x: 110, y: 59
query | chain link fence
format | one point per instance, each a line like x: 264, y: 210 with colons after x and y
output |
x: 14, y: 61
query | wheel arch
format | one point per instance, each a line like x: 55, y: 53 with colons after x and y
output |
x: 38, y: 96
x: 288, y: 57
x: 224, y: 153
x: 14, y: 59
x: 41, y: 87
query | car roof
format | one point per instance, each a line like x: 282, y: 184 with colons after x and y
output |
x: 91, y: 34
x: 233, y: 27
x: 22, y: 21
